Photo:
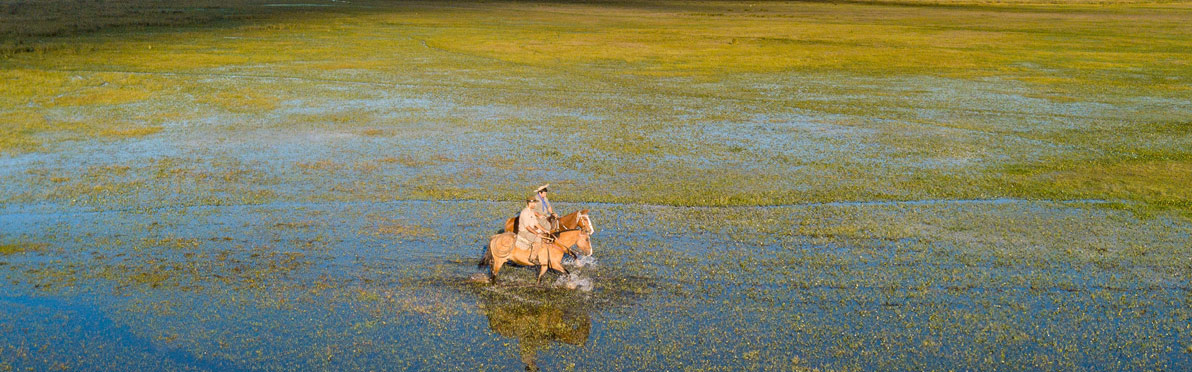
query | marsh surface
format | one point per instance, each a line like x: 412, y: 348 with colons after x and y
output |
x: 388, y: 286
x: 776, y: 186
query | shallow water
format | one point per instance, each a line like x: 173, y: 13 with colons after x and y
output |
x: 319, y: 199
x: 392, y: 286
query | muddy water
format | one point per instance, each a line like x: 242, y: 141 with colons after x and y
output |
x: 392, y: 286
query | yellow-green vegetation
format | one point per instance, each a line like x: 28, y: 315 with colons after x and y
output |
x: 661, y: 102
x: 13, y: 248
x: 905, y: 185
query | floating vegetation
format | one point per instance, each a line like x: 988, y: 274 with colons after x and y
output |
x: 14, y: 248
x: 776, y: 186
x: 907, y: 285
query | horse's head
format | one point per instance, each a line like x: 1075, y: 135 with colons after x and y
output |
x: 584, y: 243
x: 585, y: 222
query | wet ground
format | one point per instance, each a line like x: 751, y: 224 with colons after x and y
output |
x: 792, y: 186
x: 394, y: 286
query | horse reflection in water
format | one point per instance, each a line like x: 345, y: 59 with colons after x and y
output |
x: 535, y: 325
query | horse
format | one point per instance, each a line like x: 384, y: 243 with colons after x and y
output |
x: 501, y: 250
x: 568, y: 222
x: 575, y: 220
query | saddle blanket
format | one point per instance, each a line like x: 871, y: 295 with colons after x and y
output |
x: 523, y: 242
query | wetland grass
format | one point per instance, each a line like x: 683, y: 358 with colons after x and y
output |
x: 799, y: 120
x: 778, y: 186
x: 16, y: 248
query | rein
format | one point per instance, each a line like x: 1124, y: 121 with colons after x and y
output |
x: 584, y: 217
x: 554, y: 237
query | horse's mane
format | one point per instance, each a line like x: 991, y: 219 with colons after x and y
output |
x: 560, y: 232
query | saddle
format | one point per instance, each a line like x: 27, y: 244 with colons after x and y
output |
x: 524, y: 243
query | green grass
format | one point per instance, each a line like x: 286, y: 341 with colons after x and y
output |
x: 905, y: 102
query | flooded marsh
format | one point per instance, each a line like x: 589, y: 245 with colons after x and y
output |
x: 333, y: 285
x: 775, y: 186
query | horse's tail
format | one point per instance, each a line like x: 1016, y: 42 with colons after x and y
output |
x: 486, y: 259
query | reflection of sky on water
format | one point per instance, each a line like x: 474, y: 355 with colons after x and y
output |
x: 358, y: 285
x: 177, y: 270
x: 799, y: 133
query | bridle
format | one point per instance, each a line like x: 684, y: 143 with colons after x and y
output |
x: 591, y: 228
x: 554, y: 237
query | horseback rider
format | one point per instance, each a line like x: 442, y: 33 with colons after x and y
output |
x: 548, y: 216
x: 530, y: 231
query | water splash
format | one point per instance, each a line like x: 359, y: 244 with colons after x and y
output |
x: 585, y: 261
x: 574, y: 281
x: 479, y: 278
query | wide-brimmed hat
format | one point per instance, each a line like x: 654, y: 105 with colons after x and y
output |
x: 542, y: 188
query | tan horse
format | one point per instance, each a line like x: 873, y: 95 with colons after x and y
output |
x: 571, y: 221
x: 501, y: 250
x: 575, y: 220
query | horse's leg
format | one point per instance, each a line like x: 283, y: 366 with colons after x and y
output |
x: 541, y: 272
x: 558, y: 266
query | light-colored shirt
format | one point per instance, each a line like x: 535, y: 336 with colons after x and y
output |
x: 544, y: 205
x: 526, y: 219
